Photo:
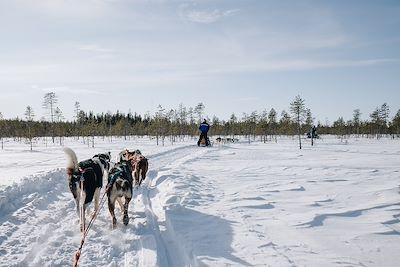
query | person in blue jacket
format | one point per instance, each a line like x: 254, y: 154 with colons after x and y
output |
x: 204, y: 127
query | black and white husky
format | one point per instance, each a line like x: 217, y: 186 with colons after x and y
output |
x: 119, y: 188
x: 89, y: 174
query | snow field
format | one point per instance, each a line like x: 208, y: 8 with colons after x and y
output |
x: 335, y: 204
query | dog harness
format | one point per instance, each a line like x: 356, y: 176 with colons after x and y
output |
x: 121, y: 170
x: 75, y: 178
x: 92, y: 176
x: 104, y: 159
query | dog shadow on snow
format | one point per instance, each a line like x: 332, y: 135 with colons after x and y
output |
x: 202, y: 235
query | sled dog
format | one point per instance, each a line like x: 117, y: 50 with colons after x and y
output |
x: 119, y: 187
x: 89, y: 174
x: 140, y: 165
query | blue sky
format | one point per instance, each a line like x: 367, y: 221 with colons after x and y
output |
x: 235, y: 56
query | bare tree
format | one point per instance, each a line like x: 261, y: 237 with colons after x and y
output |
x: 183, y: 114
x: 159, y: 124
x: 77, y: 110
x: 199, y: 109
x: 297, y: 108
x: 29, y: 115
x: 58, y: 115
x: 49, y: 102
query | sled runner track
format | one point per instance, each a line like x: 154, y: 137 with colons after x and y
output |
x: 38, y: 223
x: 162, y: 162
x: 161, y: 158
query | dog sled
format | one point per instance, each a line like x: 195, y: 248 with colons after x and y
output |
x: 203, y: 142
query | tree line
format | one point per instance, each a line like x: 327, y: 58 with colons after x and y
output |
x: 182, y: 122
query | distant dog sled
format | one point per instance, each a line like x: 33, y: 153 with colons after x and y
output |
x: 220, y: 140
x: 205, y: 142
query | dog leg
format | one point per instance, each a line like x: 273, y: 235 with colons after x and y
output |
x: 137, y: 178
x: 143, y: 171
x: 142, y: 174
x: 111, y: 208
x: 121, y: 205
x: 126, y: 205
x: 96, y: 199
x: 105, y: 176
x: 77, y: 207
x: 83, y: 217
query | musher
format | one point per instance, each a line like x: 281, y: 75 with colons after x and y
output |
x: 204, y: 127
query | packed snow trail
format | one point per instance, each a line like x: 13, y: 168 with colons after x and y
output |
x: 166, y: 257
x: 39, y: 225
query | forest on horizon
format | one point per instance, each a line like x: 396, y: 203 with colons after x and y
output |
x: 183, y: 121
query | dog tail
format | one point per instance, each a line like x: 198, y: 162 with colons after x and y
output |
x: 72, y: 163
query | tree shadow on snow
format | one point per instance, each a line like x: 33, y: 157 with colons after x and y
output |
x: 202, y: 234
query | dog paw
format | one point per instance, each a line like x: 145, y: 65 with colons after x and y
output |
x: 114, y: 223
x: 126, y: 219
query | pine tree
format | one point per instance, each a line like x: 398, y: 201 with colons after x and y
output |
x: 396, y: 122
x: 297, y: 108
x: 384, y: 114
x: 272, y: 120
x: 357, y: 120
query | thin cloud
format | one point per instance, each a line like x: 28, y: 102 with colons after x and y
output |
x: 94, y: 48
x: 209, y: 16
x: 297, y: 65
x: 67, y: 89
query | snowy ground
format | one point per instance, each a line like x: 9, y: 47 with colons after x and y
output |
x: 334, y: 204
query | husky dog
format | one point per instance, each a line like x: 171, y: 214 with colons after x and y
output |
x: 120, y: 185
x: 139, y: 164
x: 88, y: 173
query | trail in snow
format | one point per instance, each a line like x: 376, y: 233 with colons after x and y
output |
x: 39, y: 224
